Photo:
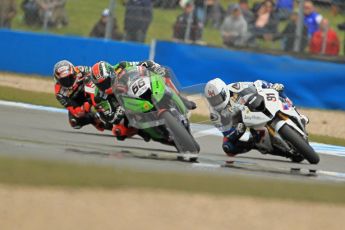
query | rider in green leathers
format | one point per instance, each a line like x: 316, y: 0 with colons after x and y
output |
x: 104, y: 100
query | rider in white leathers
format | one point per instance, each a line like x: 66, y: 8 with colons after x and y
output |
x: 225, y: 111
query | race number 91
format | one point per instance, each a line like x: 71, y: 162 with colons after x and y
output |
x: 271, y: 97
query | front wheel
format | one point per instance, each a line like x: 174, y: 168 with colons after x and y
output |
x: 184, y: 141
x: 301, y: 145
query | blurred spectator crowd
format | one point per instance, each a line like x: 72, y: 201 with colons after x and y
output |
x: 50, y: 13
x: 242, y: 24
x: 36, y: 12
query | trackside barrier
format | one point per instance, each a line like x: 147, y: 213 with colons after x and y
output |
x: 32, y: 53
x: 313, y: 84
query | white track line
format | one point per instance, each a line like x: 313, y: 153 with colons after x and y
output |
x: 32, y: 107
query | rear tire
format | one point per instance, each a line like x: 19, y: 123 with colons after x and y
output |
x: 301, y: 145
x: 184, y: 141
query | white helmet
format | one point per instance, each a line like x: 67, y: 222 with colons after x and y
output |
x: 217, y: 94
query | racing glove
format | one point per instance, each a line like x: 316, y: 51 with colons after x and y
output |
x: 118, y: 115
x: 154, y: 67
x: 123, y: 65
x: 148, y: 64
x: 64, y: 101
x: 113, y: 117
x: 277, y: 86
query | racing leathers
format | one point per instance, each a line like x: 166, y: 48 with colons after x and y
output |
x: 109, y: 110
x: 106, y: 103
x: 230, y: 118
x: 76, y: 101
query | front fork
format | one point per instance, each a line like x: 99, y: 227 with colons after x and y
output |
x: 274, y: 127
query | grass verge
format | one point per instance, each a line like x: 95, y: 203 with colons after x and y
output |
x: 45, y: 173
x: 327, y: 139
x: 47, y: 99
x: 20, y: 95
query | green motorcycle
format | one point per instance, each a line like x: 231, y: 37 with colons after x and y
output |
x: 155, y: 109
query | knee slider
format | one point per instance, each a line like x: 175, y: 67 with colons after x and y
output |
x: 229, y: 148
x: 74, y: 123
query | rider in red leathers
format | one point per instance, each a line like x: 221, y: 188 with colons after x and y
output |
x: 69, y: 91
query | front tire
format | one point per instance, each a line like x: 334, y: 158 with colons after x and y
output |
x: 183, y: 139
x: 301, y: 145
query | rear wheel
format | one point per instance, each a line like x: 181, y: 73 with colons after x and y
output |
x: 184, y: 141
x: 301, y: 145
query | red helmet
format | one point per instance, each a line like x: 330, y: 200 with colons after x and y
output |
x: 64, y: 73
x: 102, y: 75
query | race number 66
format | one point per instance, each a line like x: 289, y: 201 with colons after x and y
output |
x: 137, y: 85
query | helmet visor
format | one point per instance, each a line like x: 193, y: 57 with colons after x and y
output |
x: 218, y: 99
x: 67, y: 81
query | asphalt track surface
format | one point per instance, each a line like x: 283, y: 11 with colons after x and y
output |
x: 27, y: 133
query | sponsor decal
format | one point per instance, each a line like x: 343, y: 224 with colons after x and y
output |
x: 211, y: 93
x: 253, y: 117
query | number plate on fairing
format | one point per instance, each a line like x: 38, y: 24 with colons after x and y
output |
x: 139, y: 87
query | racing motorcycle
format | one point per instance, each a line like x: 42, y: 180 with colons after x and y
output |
x: 274, y: 124
x: 155, y: 109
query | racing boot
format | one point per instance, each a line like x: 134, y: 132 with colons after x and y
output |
x: 79, y: 122
x: 99, y: 125
x: 121, y: 132
x: 231, y: 143
x: 74, y: 123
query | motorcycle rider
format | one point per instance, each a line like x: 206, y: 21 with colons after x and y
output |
x: 105, y: 102
x: 69, y: 91
x: 225, y: 111
x: 102, y: 76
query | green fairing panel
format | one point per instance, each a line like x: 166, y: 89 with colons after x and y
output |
x: 105, y: 105
x: 179, y: 103
x: 158, y: 87
x: 96, y: 90
x: 137, y: 105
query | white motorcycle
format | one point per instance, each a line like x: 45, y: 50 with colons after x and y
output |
x: 273, y: 124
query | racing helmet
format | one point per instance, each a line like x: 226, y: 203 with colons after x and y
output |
x: 64, y: 73
x: 217, y: 94
x: 102, y: 74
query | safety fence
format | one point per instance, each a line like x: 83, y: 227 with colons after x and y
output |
x: 309, y: 83
x: 33, y: 53
x: 313, y: 84
x: 311, y: 27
